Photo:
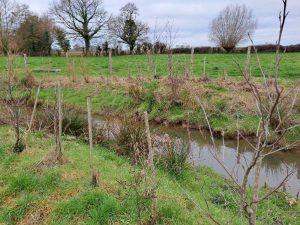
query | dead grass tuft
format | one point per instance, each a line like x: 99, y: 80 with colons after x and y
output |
x: 50, y: 160
x: 35, y: 217
x: 74, y: 175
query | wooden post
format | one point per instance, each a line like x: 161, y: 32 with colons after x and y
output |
x: 247, y: 69
x: 25, y: 60
x: 204, y: 66
x: 151, y: 153
x: 33, y: 113
x: 94, y: 181
x: 192, y: 61
x: 60, y: 118
x: 110, y: 62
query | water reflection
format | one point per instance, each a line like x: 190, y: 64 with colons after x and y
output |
x: 274, y: 166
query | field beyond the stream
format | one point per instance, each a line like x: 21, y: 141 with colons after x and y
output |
x: 134, y: 65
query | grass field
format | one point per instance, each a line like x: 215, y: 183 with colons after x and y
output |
x: 62, y: 195
x: 139, y: 65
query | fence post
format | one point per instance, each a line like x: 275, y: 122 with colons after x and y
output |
x: 94, y: 181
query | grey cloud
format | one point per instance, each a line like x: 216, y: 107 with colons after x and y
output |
x: 192, y: 17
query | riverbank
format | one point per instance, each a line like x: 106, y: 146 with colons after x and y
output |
x: 168, y: 103
x: 63, y: 195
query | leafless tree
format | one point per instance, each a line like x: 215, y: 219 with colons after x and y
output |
x: 127, y: 28
x: 232, y: 26
x: 275, y: 108
x: 11, y: 15
x: 82, y: 18
x: 13, y: 102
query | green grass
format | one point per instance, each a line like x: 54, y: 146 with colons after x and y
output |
x: 138, y: 65
x: 63, y: 195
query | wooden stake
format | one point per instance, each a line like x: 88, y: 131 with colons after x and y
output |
x: 192, y: 61
x: 204, y: 66
x: 247, y: 69
x: 110, y: 62
x: 60, y: 118
x: 94, y: 181
x: 33, y: 113
x: 25, y: 60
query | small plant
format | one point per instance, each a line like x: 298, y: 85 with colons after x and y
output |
x: 173, y: 154
x: 74, y: 123
x: 130, y: 136
x: 29, y: 80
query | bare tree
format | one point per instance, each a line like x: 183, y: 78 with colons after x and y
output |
x: 13, y: 102
x: 232, y: 26
x: 275, y: 108
x: 11, y: 15
x: 82, y: 18
x: 127, y: 28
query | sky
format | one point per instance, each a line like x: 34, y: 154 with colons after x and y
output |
x: 191, y: 18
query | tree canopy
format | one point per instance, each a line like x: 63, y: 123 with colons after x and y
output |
x: 127, y: 28
x: 82, y: 18
x: 232, y: 26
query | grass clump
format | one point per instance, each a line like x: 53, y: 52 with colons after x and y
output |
x: 14, y: 214
x: 172, y: 155
x: 96, y: 207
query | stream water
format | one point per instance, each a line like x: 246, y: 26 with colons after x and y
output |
x: 203, y: 153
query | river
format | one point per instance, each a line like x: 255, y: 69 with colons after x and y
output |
x: 203, y: 153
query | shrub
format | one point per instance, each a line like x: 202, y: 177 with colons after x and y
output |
x: 28, y: 81
x: 100, y: 136
x: 74, y: 123
x: 131, y: 139
x: 173, y: 154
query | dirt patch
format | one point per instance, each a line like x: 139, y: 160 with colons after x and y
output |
x: 59, y: 195
x: 10, y: 201
x: 74, y: 175
x: 35, y: 216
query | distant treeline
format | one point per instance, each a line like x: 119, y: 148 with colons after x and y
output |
x: 183, y: 50
x: 260, y: 48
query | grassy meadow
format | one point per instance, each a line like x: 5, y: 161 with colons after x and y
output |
x: 216, y: 65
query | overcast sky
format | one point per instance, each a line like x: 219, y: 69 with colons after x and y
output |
x: 191, y: 18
